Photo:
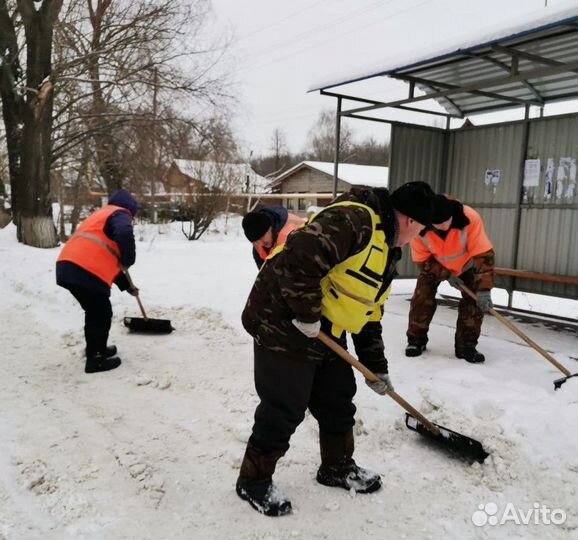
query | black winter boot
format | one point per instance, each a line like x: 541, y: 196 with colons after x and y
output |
x: 111, y: 351
x: 338, y: 469
x: 255, y: 483
x: 469, y: 354
x: 98, y: 362
x: 413, y: 349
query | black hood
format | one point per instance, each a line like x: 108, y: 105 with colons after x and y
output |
x: 379, y: 200
x: 459, y: 218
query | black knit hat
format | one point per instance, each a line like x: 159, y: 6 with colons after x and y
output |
x: 415, y: 199
x: 255, y: 225
x: 443, y: 209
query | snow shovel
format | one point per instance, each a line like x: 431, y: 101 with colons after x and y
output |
x: 144, y: 324
x: 558, y: 382
x: 414, y: 420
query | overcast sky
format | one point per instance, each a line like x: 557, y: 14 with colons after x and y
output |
x: 280, y: 48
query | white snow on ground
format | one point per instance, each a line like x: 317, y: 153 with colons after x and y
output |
x: 152, y: 449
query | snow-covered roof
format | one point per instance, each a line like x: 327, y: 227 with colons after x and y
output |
x: 356, y: 175
x: 230, y: 176
x: 566, y: 13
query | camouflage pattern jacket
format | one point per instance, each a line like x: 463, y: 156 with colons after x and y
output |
x: 288, y: 285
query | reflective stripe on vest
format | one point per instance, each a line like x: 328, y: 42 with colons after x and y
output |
x: 459, y: 245
x: 96, y: 239
x: 91, y: 249
x: 447, y: 258
x: 293, y: 222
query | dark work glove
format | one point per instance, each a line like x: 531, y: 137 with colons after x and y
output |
x: 133, y: 291
x: 454, y: 281
x: 484, y: 301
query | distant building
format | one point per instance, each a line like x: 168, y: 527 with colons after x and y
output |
x: 317, y: 177
x: 185, y: 177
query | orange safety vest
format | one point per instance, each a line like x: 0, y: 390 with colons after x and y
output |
x: 91, y: 249
x: 293, y: 222
x: 457, y: 248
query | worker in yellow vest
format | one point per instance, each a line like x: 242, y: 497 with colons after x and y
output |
x: 333, y: 274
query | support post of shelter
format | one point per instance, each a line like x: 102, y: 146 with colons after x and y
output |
x: 518, y: 218
x: 337, y: 143
x: 445, y: 153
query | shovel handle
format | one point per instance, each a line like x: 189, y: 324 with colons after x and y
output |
x: 131, y: 283
x: 370, y: 376
x: 517, y: 331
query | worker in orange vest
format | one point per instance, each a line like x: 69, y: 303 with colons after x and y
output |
x: 90, y: 262
x: 457, y: 245
x: 268, y: 228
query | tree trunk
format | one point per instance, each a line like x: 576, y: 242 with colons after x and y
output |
x: 38, y: 231
x: 76, y: 202
x: 28, y: 121
x: 36, y: 226
x: 107, y: 151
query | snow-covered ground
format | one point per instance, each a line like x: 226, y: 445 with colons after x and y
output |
x: 152, y: 449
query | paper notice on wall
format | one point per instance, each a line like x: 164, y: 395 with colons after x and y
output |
x: 548, y: 178
x: 571, y: 189
x: 532, y: 173
x: 566, y: 178
x: 492, y: 177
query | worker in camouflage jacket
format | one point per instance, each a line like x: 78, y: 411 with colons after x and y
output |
x: 456, y: 246
x: 333, y: 274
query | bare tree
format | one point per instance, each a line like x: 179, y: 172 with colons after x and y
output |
x: 125, y: 58
x: 370, y: 152
x: 279, y: 148
x: 321, y: 139
x: 208, y: 196
x: 200, y: 212
x: 26, y: 87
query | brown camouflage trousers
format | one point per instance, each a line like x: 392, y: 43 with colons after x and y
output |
x: 423, y: 306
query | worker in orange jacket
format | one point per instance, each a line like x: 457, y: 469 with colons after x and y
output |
x: 457, y: 245
x: 90, y: 262
x: 268, y: 228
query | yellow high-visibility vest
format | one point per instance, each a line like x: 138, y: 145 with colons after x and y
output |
x: 352, y: 294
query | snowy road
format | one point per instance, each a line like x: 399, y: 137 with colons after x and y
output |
x: 152, y: 449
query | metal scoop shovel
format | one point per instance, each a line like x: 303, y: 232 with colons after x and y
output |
x: 451, y: 440
x: 144, y: 324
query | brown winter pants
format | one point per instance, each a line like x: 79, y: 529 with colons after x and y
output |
x: 423, y: 307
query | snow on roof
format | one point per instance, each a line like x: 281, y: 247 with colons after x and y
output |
x: 537, y: 20
x: 356, y: 175
x: 232, y: 176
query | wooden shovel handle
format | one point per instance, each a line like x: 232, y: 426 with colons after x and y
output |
x: 517, y: 331
x: 370, y: 376
x: 131, y: 283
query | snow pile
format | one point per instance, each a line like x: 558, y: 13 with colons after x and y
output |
x: 152, y: 449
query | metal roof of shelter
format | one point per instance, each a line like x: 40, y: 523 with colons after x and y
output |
x: 532, y: 63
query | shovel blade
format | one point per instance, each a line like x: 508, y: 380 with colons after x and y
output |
x: 148, y: 326
x: 559, y: 382
x: 451, y: 440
